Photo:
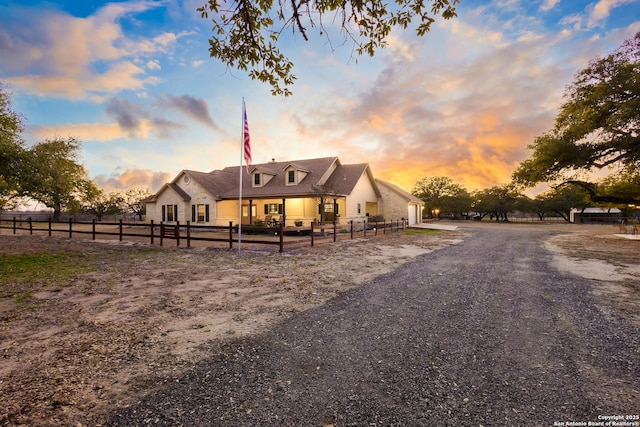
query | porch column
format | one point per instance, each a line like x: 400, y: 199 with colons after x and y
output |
x: 284, y: 212
x: 335, y: 210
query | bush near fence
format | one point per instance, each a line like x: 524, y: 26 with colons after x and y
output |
x: 189, y: 234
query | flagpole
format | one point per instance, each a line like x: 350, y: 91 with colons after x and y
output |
x: 240, y: 189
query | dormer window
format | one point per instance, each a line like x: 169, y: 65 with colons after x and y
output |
x: 261, y: 177
x: 293, y: 175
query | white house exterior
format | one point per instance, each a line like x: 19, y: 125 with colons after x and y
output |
x: 286, y: 192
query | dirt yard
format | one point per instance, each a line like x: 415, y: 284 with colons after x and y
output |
x: 139, y: 316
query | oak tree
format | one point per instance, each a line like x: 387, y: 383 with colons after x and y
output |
x: 55, y: 177
x: 597, y: 128
x: 496, y: 202
x: 11, y: 150
x: 133, y: 201
x: 246, y: 33
x: 442, y: 195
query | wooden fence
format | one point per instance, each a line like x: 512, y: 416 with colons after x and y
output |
x: 188, y: 233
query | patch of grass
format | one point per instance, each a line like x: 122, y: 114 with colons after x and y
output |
x: 23, y: 297
x: 419, y: 231
x: 40, y: 268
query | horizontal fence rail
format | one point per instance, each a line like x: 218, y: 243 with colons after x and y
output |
x: 152, y: 232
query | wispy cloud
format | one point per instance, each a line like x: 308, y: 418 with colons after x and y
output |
x: 601, y: 10
x: 137, y: 121
x: 195, y: 108
x: 75, y: 57
x: 547, y: 5
x: 131, y: 178
x: 100, y: 132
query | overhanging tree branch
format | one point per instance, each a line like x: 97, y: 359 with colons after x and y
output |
x: 248, y: 39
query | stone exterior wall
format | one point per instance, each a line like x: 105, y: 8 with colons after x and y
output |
x: 393, y: 206
x: 169, y: 197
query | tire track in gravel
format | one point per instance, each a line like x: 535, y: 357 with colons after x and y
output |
x: 482, y: 333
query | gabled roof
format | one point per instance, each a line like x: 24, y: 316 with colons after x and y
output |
x: 400, y: 192
x: 262, y: 169
x: 276, y: 187
x: 322, y: 176
x: 296, y: 167
x: 345, y: 177
x: 172, y: 185
x: 217, y: 182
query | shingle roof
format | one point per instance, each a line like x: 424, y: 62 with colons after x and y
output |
x: 217, y: 182
x: 323, y: 176
x: 175, y: 187
x: 345, y: 177
x: 276, y: 187
x: 405, y: 194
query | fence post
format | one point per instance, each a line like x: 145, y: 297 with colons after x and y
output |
x: 49, y: 226
x: 364, y: 225
x: 14, y: 225
x: 375, y: 229
x: 335, y: 235
x: 30, y: 226
x: 351, y: 224
x: 93, y: 229
x: 188, y: 234
x: 70, y: 227
x: 161, y: 232
x: 231, y: 234
x: 312, y: 233
x: 152, y: 229
x: 177, y: 232
x: 120, y: 230
x: 282, y: 237
x: 384, y: 227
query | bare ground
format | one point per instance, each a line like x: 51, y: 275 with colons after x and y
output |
x: 142, y: 316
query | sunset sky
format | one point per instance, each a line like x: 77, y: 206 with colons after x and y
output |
x: 133, y: 81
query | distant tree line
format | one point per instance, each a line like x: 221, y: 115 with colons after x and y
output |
x: 50, y: 172
x: 444, y: 198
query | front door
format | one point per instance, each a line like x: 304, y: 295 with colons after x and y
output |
x: 246, y: 219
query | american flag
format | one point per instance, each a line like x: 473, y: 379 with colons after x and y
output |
x: 246, y: 138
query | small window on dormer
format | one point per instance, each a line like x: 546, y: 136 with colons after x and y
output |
x: 291, y: 177
x: 256, y: 179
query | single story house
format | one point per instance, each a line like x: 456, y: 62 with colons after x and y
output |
x: 290, y: 192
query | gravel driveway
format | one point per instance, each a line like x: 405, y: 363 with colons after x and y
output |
x: 481, y: 333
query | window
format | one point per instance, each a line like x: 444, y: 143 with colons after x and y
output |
x: 256, y: 179
x: 272, y: 208
x: 170, y: 213
x: 200, y: 213
x: 359, y: 208
x: 291, y: 177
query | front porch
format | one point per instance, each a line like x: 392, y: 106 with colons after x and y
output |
x: 290, y: 212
